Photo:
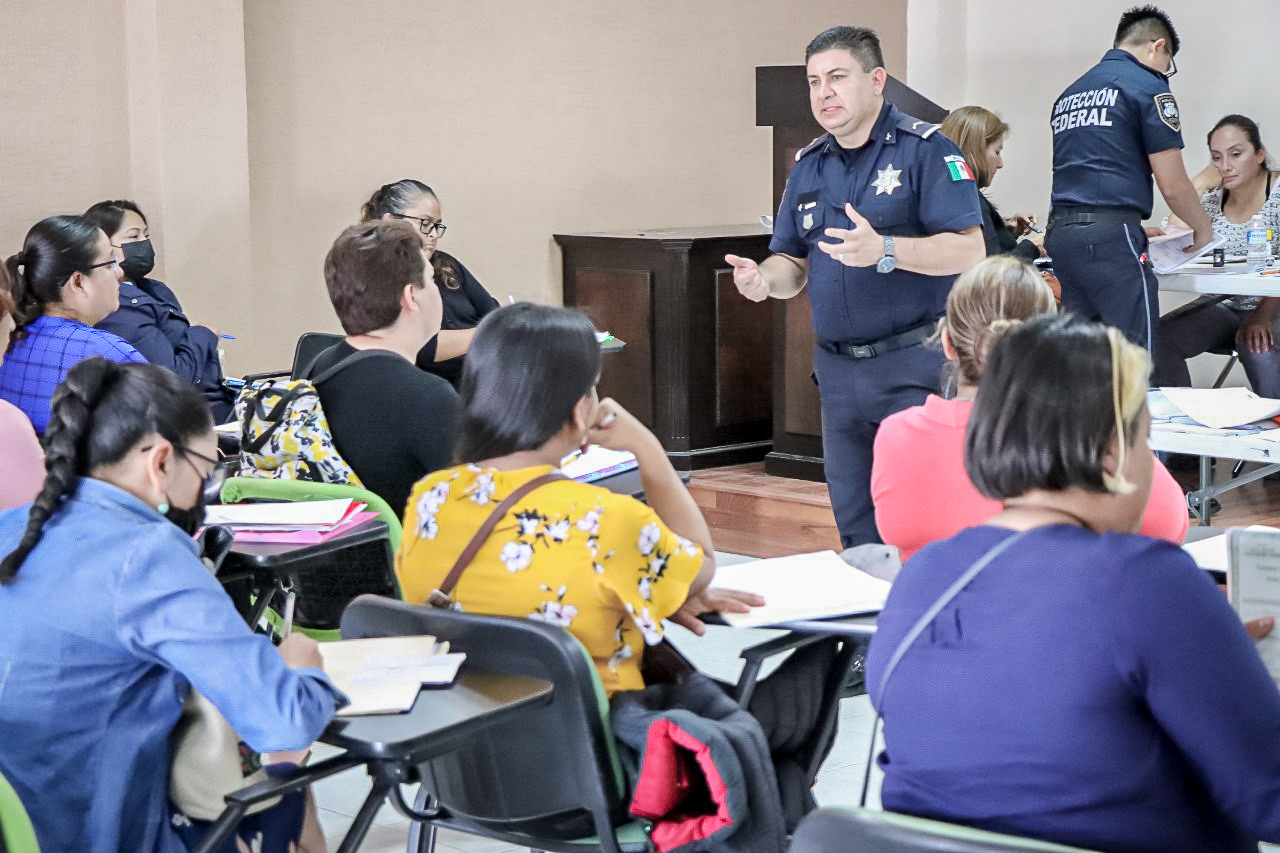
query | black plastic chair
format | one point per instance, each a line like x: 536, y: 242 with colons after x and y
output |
x: 310, y: 345
x: 866, y: 831
x: 551, y: 780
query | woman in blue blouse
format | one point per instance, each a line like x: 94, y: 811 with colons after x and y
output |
x: 108, y: 619
x: 149, y: 315
x: 65, y: 279
x: 1088, y: 686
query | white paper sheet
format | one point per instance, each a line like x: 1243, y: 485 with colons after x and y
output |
x: 1222, y: 408
x: 382, y: 675
x: 293, y: 514
x: 803, y: 586
x: 1167, y: 255
x: 596, y: 463
x: 1253, y: 584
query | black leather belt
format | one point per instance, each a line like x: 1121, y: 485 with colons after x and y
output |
x: 883, y: 346
x: 1077, y: 215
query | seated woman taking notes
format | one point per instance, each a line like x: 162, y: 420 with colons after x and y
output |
x: 108, y: 619
x: 1248, y: 324
x: 1086, y: 686
x: 918, y: 480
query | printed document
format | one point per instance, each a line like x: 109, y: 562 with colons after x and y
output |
x: 1253, y: 584
x: 1167, y: 255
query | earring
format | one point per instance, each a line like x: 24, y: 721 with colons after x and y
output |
x: 163, y: 507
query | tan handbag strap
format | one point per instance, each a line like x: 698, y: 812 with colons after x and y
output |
x: 442, y: 595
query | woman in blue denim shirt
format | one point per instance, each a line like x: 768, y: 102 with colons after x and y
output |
x: 108, y: 619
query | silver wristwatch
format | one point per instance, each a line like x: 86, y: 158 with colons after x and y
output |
x: 888, y: 261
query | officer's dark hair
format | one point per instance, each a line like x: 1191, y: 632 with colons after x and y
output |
x: 108, y: 215
x: 1248, y: 127
x: 394, y: 199
x: 862, y: 42
x: 526, y: 368
x: 366, y: 270
x: 1144, y: 24
x: 53, y: 250
x: 97, y: 416
x: 1056, y: 393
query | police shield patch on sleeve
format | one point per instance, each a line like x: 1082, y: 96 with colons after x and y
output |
x: 1167, y: 108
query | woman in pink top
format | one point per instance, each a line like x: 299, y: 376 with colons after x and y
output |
x: 21, y: 458
x: 918, y: 481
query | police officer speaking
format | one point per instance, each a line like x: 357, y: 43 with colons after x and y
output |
x: 879, y: 216
x: 1113, y: 129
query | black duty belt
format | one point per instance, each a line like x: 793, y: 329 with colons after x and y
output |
x: 883, y: 346
x: 1078, y: 215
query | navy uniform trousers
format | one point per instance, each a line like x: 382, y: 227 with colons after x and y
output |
x: 857, y: 394
x: 1104, y: 277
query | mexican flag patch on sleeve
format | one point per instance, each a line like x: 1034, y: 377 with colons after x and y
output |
x: 958, y: 168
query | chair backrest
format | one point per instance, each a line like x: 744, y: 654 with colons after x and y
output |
x: 554, y: 772
x: 836, y: 830
x: 239, y: 489
x: 310, y: 345
x: 17, y: 835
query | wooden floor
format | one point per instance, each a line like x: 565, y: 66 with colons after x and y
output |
x: 752, y: 513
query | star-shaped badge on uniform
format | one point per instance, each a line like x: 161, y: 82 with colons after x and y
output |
x: 887, y: 180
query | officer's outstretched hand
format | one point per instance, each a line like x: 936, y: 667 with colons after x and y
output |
x: 746, y: 275
x: 860, y: 246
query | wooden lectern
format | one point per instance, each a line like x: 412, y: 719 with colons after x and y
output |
x: 782, y: 102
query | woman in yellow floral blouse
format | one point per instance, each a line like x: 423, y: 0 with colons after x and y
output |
x: 605, y: 566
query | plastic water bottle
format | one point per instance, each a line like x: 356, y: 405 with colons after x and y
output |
x: 1258, y: 243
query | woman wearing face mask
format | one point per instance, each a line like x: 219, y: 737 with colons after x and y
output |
x: 65, y: 279
x: 1249, y: 324
x: 466, y: 302
x: 150, y: 316
x: 108, y: 619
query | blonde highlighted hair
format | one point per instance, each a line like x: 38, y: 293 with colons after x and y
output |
x: 986, y: 300
x: 974, y: 130
x: 1130, y: 367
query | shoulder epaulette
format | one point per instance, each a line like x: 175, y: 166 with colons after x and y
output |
x: 812, y: 145
x: 920, y: 128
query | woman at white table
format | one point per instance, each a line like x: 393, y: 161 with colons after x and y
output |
x: 1248, y: 324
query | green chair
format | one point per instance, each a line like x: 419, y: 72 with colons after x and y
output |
x: 239, y: 489
x: 551, y: 780
x: 17, y: 835
x: 866, y: 831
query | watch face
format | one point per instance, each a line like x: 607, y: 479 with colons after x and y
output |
x: 886, y: 264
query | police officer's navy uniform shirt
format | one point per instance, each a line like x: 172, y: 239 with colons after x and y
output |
x: 1105, y: 126
x: 905, y: 185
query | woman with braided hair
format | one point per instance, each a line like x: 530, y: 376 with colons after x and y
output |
x: 65, y: 279
x: 108, y: 619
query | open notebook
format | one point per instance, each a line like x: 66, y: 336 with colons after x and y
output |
x: 802, y: 586
x: 382, y: 675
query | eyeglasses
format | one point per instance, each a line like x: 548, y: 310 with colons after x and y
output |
x: 111, y: 263
x: 1173, y: 67
x: 211, y: 485
x: 427, y: 226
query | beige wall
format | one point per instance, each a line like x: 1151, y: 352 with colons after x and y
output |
x: 250, y: 130
x: 527, y: 119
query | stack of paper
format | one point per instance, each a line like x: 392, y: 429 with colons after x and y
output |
x: 1220, y: 408
x: 803, y: 586
x: 290, y: 522
x: 382, y: 675
x: 1168, y: 253
x: 597, y: 463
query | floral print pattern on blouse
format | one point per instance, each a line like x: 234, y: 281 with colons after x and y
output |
x: 601, y: 565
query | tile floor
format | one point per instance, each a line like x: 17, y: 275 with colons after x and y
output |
x: 840, y: 781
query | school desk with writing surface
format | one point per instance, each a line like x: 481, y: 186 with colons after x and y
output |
x: 391, y: 746
x: 1223, y: 444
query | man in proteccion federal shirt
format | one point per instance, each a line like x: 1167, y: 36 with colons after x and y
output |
x: 879, y: 216
x: 1113, y: 129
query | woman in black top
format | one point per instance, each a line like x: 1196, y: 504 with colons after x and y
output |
x: 980, y: 134
x: 466, y: 302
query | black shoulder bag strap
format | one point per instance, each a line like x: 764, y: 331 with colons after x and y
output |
x: 923, y: 622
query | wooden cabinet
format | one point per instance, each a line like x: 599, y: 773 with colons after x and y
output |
x: 697, y: 366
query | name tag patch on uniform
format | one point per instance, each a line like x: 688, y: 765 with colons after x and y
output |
x: 1167, y: 109
x: 958, y: 168
x: 805, y: 204
x: 887, y: 180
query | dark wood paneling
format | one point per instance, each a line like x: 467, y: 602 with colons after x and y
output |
x: 621, y: 301
x: 803, y: 412
x: 743, y: 329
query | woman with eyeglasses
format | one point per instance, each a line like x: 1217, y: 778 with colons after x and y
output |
x: 149, y: 315
x: 66, y: 279
x: 1052, y: 674
x: 466, y: 302
x: 108, y: 619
